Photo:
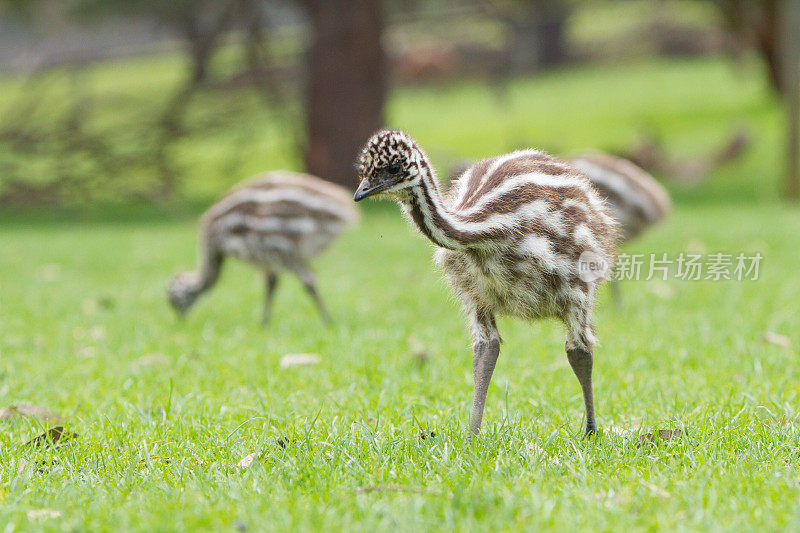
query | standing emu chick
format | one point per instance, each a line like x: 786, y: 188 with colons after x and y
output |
x: 277, y: 222
x: 510, y: 234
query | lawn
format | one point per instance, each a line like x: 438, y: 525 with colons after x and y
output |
x: 165, y: 410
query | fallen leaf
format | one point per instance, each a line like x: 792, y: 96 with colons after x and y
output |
x: 97, y: 333
x: 54, y: 436
x: 658, y: 491
x: 150, y: 359
x: 391, y: 488
x: 33, y: 411
x: 778, y: 339
x: 247, y: 460
x: 299, y: 359
x: 43, y: 514
x: 659, y: 436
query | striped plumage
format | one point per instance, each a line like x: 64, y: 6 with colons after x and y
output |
x: 636, y: 200
x: 511, y: 233
x: 278, y: 221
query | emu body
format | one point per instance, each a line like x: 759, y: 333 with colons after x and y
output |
x: 634, y: 198
x: 510, y: 233
x: 278, y: 222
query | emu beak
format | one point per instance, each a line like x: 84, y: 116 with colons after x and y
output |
x: 363, y: 190
x: 366, y: 189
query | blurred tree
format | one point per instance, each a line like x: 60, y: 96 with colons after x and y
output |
x: 757, y: 24
x: 347, y: 71
x: 537, y: 31
x: 790, y: 62
x: 771, y: 27
x: 199, y: 23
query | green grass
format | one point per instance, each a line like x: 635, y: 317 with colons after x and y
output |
x: 142, y: 389
x: 165, y: 409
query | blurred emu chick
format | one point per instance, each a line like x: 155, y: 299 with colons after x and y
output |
x: 637, y: 201
x: 277, y: 222
x: 511, y: 233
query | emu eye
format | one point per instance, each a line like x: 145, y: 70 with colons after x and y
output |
x: 393, y: 169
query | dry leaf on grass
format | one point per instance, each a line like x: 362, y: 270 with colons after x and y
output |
x: 33, y: 411
x: 655, y: 489
x: 43, y: 514
x: 247, y: 460
x: 777, y: 339
x: 150, y: 359
x: 244, y: 463
x: 56, y: 436
x: 660, y: 436
x: 299, y: 359
x: 391, y: 488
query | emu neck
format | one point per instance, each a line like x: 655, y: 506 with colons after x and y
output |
x: 210, y: 267
x: 426, y: 209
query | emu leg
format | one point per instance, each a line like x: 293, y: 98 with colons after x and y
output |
x: 485, y: 350
x: 271, y: 283
x: 309, y: 282
x: 581, y: 362
x: 484, y: 359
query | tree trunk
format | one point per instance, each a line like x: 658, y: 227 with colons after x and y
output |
x: 768, y: 41
x: 791, y: 79
x: 346, y: 84
x: 537, y: 35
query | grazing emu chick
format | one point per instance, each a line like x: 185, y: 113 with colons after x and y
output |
x: 510, y: 234
x: 277, y: 222
x: 636, y: 200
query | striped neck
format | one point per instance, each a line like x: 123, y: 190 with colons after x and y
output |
x: 425, y: 207
x: 210, y: 267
